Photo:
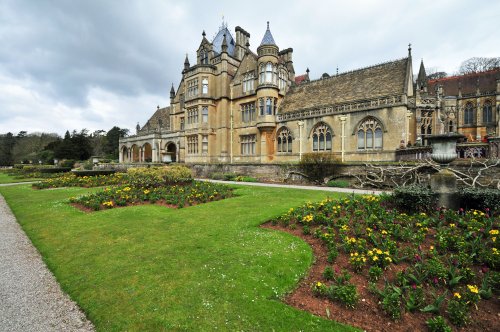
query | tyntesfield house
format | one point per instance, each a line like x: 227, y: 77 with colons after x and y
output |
x: 234, y: 105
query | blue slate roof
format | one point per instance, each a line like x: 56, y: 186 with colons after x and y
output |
x: 268, y: 38
x: 217, y: 42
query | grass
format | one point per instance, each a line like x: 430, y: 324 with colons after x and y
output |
x: 6, y: 178
x: 149, y: 268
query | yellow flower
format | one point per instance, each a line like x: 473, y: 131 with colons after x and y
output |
x: 457, y: 295
x: 379, y: 251
x: 473, y: 289
x: 452, y: 225
x: 493, y: 232
x: 384, y: 232
x: 494, y: 239
x: 495, y: 251
x: 146, y: 192
x: 431, y: 248
x: 319, y: 284
x: 375, y: 258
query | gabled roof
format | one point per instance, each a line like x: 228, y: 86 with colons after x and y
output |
x: 486, y: 81
x: 268, y: 37
x: 161, y: 115
x: 377, y: 81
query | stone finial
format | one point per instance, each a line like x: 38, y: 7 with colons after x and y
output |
x: 409, y: 49
x: 203, y: 34
x: 224, y: 43
x: 307, y: 71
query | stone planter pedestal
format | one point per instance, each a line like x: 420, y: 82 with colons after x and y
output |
x: 444, y: 183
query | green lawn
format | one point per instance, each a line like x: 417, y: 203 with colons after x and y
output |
x: 5, y: 178
x: 150, y: 268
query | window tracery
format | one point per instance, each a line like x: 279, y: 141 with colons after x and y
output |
x: 369, y: 135
x: 322, y: 138
x: 284, y: 140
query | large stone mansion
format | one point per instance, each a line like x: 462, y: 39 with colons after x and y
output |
x: 236, y: 106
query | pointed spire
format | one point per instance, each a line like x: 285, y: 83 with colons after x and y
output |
x: 186, y: 62
x: 268, y: 37
x: 203, y: 34
x: 409, y: 50
x: 172, y: 92
x: 422, y: 76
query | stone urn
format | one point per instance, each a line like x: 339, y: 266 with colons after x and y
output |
x: 444, y: 147
x: 444, y: 183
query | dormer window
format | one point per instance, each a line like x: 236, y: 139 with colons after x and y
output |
x: 204, y: 57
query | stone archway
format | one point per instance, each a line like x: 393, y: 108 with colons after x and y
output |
x: 148, y: 152
x: 171, y: 155
x: 125, y: 154
x: 135, y: 154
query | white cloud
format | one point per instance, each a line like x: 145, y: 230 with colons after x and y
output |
x: 95, y: 64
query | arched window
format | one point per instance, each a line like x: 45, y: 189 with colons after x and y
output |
x: 322, y: 138
x: 469, y: 113
x: 369, y: 134
x: 284, y: 139
x: 262, y: 72
x: 204, y: 86
x: 487, y: 112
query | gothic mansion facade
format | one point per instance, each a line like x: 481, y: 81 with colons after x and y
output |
x: 237, y: 106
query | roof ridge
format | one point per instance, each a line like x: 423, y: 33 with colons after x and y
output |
x: 464, y: 75
x: 355, y: 70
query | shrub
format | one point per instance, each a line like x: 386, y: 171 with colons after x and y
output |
x: 328, y: 273
x: 345, y: 294
x: 318, y: 166
x: 54, y: 169
x: 94, y: 172
x: 338, y: 183
x: 156, y: 176
x: 437, y: 324
x: 458, y: 312
x: 480, y: 199
x: 414, y: 198
x: 217, y: 176
x: 67, y: 163
x: 242, y: 178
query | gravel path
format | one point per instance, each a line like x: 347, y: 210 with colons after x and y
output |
x: 30, y: 297
x: 292, y: 186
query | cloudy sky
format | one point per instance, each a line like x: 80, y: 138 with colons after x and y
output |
x: 67, y: 64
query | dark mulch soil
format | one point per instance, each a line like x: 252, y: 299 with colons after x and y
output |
x: 368, y: 315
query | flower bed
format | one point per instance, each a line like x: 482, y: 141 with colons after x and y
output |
x: 71, y: 180
x: 181, y: 195
x: 420, y: 270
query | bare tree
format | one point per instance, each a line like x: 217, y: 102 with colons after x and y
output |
x: 478, y: 64
x: 375, y: 176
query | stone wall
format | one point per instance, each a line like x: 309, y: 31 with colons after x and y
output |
x: 287, y: 173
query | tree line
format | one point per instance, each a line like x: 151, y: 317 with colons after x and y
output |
x: 36, y: 147
x: 469, y: 66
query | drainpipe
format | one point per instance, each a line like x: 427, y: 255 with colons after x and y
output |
x: 231, y: 124
x: 301, y: 125
x: 343, y: 118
